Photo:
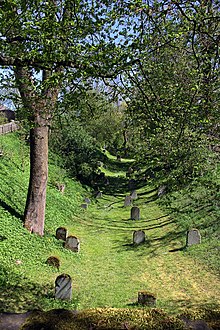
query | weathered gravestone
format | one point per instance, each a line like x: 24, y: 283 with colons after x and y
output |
x: 127, y: 201
x: 98, y: 194
x: 135, y: 213
x: 87, y: 200
x: 54, y: 262
x: 61, y: 187
x: 161, y: 191
x: 131, y: 184
x: 193, y: 237
x: 146, y: 298
x: 72, y: 243
x: 63, y: 287
x: 61, y: 233
x: 138, y: 237
x: 99, y: 164
x: 84, y: 206
x: 134, y: 194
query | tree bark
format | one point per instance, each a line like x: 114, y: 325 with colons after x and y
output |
x: 36, y: 199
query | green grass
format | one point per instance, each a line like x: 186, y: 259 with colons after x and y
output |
x: 109, y: 271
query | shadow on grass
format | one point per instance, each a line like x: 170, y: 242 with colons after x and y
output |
x: 11, y: 210
x: 20, y: 293
x: 152, y: 245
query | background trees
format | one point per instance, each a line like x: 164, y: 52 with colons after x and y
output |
x: 167, y: 56
x: 172, y: 90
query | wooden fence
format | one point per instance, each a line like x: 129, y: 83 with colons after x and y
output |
x: 8, y: 128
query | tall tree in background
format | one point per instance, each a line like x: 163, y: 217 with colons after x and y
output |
x: 44, y: 42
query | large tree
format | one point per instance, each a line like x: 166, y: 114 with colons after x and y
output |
x: 45, y: 43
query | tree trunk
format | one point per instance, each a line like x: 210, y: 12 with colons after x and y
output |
x: 36, y: 199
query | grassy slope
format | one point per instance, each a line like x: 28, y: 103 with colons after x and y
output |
x: 108, y: 271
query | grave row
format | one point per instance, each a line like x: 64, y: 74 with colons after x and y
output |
x: 71, y: 242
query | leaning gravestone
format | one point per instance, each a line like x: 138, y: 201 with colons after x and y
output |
x: 84, y: 206
x: 72, y: 243
x: 61, y: 187
x: 87, y: 200
x: 63, y: 287
x: 146, y: 298
x: 134, y: 194
x: 161, y: 191
x: 193, y: 237
x: 127, y: 201
x: 98, y: 194
x: 54, y: 262
x: 131, y: 184
x: 135, y: 213
x: 138, y: 237
x: 61, y: 233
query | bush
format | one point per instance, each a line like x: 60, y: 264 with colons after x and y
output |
x: 78, y: 150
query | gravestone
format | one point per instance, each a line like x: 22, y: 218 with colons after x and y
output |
x: 54, y: 262
x: 161, y: 191
x: 72, y: 243
x: 127, y: 201
x: 63, y: 287
x: 138, y: 237
x: 135, y: 213
x: 193, y: 237
x: 131, y: 184
x: 146, y: 298
x: 61, y: 187
x: 106, y: 183
x: 134, y: 194
x: 98, y: 194
x: 130, y: 170
x: 87, y: 200
x: 61, y: 233
x: 84, y: 206
x: 99, y: 164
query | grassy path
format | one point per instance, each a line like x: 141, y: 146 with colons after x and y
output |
x: 108, y: 271
x: 111, y: 271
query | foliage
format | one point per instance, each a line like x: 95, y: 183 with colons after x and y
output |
x: 77, y: 150
x: 95, y: 111
x: 172, y: 110
x: 110, y: 318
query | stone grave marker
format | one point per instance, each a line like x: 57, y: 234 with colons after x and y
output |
x: 99, y: 163
x: 54, y: 262
x: 63, y: 287
x: 61, y: 187
x: 98, y: 194
x: 87, y: 200
x: 146, y: 298
x: 135, y: 213
x: 128, y: 201
x: 161, y: 191
x: 61, y: 233
x: 138, y: 237
x: 131, y: 184
x: 134, y: 194
x: 84, y: 206
x: 193, y: 237
x: 72, y: 243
